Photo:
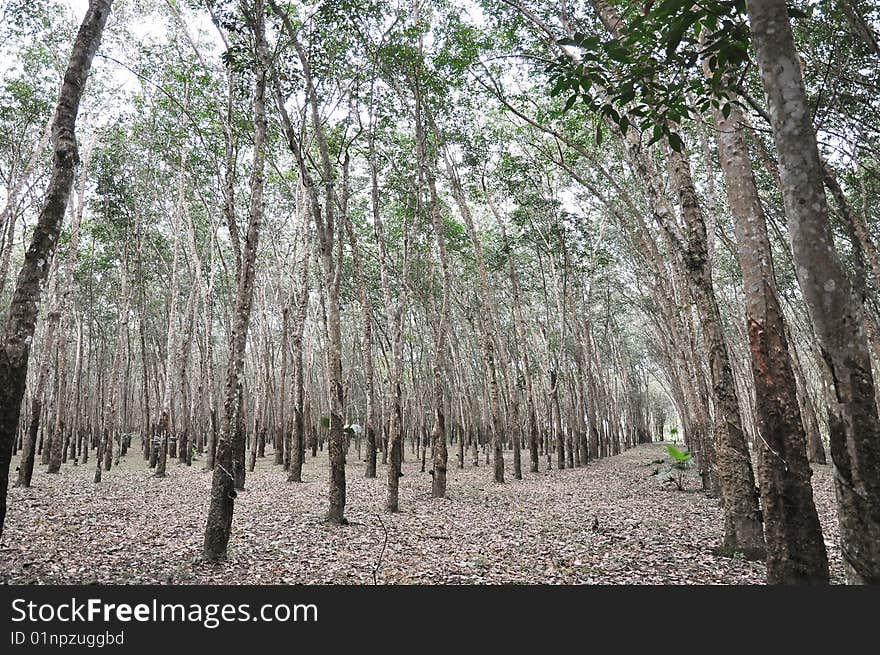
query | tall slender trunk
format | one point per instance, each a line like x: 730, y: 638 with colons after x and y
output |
x: 439, y: 453
x: 795, y: 547
x: 184, y: 447
x: 394, y: 305
x: 742, y: 521
x: 211, y: 419
x: 425, y: 176
x: 489, y: 320
x: 835, y: 311
x: 223, y: 494
x: 366, y: 349
x: 519, y: 322
x: 111, y: 427
x: 329, y: 236
x: 56, y: 454
x: 332, y: 275
x: 22, y: 313
x: 29, y: 438
x: 281, y: 434
x: 164, y: 427
x: 298, y: 446
x: 742, y: 530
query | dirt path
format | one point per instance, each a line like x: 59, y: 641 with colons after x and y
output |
x: 607, y: 523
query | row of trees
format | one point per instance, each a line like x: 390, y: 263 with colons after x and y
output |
x: 353, y: 225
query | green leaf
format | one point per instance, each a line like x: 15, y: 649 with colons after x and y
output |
x: 609, y: 111
x: 675, y: 142
x: 656, y: 135
x: 561, y: 84
x: 626, y: 94
x: 678, y: 455
x: 617, y: 53
x: 325, y: 422
x: 677, y: 31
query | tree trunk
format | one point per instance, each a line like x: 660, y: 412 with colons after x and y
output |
x: 439, y: 452
x: 281, y: 433
x: 835, y: 311
x: 29, y: 442
x: 742, y: 532
x: 23, y: 308
x: 795, y: 547
x: 366, y: 347
x: 298, y: 446
x: 219, y: 522
x: 111, y: 416
x: 57, y: 455
x: 489, y: 321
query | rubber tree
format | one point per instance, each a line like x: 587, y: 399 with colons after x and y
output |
x: 22, y: 316
x: 223, y: 494
x: 834, y: 309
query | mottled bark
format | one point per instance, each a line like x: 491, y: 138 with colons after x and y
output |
x: 835, y: 311
x: 298, y: 442
x: 29, y: 438
x: 394, y: 306
x: 112, y: 427
x: 165, y: 426
x: 66, y: 285
x: 223, y: 494
x: 795, y: 547
x: 23, y: 308
x: 488, y: 338
x: 281, y: 433
x: 328, y: 224
x: 439, y: 453
x: 742, y: 532
x: 366, y: 347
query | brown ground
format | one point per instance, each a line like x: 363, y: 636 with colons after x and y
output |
x: 608, y: 523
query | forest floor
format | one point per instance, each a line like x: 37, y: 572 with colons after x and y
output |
x: 610, y: 522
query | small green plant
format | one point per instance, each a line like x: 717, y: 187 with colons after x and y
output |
x: 682, y: 460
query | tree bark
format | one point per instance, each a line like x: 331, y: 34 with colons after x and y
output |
x: 223, y: 494
x: 795, y: 547
x: 329, y: 236
x: 56, y: 455
x: 835, y: 311
x: 111, y: 427
x: 23, y: 308
x: 298, y: 445
x: 488, y: 324
x: 366, y: 349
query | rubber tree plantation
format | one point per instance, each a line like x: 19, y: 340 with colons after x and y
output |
x: 435, y: 292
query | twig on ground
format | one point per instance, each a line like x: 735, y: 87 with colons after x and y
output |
x: 381, y: 553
